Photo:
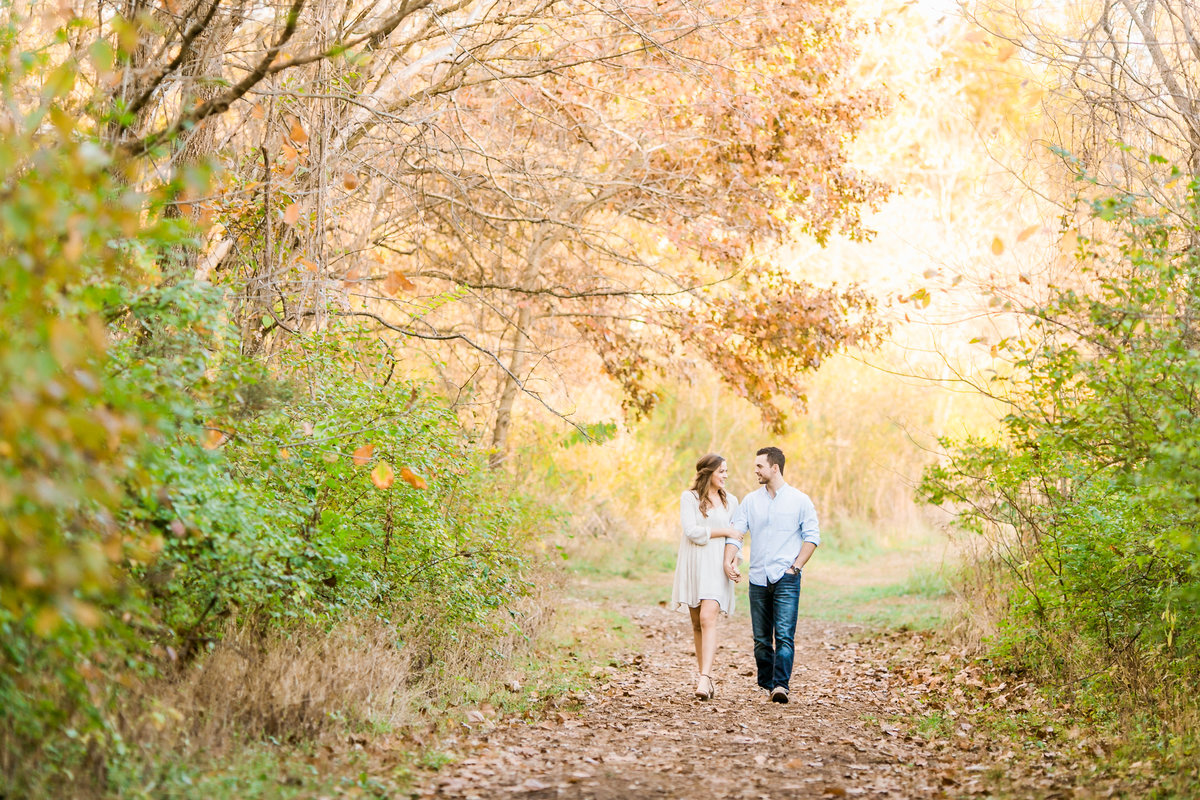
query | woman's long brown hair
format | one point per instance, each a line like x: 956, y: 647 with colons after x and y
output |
x: 705, y: 468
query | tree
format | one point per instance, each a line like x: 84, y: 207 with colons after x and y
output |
x: 527, y: 176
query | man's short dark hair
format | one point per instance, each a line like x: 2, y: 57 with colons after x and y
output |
x: 774, y: 456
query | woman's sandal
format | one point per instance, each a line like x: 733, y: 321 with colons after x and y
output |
x: 712, y: 688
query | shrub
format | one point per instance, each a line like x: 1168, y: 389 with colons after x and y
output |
x: 1090, y: 494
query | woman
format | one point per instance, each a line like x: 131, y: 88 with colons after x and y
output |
x: 701, y: 583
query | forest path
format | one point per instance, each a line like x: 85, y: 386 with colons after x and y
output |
x: 642, y: 734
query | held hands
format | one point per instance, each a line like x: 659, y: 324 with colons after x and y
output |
x: 732, y: 572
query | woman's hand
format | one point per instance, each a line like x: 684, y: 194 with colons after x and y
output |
x: 732, y: 572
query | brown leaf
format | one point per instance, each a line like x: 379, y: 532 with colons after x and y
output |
x: 383, y: 476
x: 362, y: 455
x: 214, y: 438
x: 997, y: 245
x: 412, y: 479
x: 396, y: 281
x: 350, y: 181
x: 291, y: 214
x: 1030, y: 231
x: 297, y: 132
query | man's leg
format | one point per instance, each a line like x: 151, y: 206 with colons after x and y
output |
x: 786, y: 607
x: 762, y: 618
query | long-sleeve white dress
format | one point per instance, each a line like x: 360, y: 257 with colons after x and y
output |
x: 700, y: 570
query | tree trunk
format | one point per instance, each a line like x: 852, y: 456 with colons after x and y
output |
x: 508, y: 396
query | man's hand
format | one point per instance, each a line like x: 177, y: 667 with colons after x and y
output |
x: 732, y: 572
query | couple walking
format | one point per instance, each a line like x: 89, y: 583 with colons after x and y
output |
x: 782, y: 523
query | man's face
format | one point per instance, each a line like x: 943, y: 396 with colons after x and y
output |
x: 763, y: 470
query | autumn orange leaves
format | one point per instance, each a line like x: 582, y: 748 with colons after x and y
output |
x: 382, y: 475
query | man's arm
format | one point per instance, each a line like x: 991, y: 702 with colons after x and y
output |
x: 810, y: 533
x: 806, y: 551
x: 739, y: 523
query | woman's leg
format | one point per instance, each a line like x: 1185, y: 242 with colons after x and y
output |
x: 708, y: 634
x: 697, y: 634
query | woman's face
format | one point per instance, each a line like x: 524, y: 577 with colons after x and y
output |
x: 718, y: 478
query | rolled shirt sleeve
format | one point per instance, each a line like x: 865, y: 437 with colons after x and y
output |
x: 810, y: 531
x: 693, y: 523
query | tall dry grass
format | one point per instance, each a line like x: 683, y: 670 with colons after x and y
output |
x: 307, y: 682
x: 303, y: 684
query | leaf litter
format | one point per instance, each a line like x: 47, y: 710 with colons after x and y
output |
x: 856, y: 727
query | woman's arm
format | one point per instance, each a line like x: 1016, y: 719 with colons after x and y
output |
x: 693, y: 523
x: 731, y: 563
x: 726, y: 533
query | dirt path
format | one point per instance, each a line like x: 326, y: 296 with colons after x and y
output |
x: 641, y: 734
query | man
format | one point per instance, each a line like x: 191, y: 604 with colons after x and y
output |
x: 783, y: 524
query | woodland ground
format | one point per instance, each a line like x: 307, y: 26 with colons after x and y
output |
x: 881, y: 706
x: 884, y: 705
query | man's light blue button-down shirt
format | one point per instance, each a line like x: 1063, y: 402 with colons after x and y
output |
x: 778, y: 527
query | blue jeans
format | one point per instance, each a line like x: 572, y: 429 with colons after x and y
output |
x: 773, y: 611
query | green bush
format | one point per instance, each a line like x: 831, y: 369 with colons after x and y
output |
x: 1090, y: 494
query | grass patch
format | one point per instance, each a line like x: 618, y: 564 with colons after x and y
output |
x: 856, y: 576
x: 638, y: 572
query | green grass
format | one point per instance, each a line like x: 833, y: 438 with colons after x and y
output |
x: 639, y: 571
x: 263, y: 770
x: 895, y: 580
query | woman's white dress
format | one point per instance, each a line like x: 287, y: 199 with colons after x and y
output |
x: 700, y: 570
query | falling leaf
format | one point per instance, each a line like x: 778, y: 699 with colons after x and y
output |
x: 284, y: 453
x: 362, y: 455
x: 997, y: 245
x: 396, y: 281
x: 383, y: 476
x: 1030, y: 231
x: 412, y: 479
x: 350, y: 181
x: 291, y: 214
x: 1023, y: 278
